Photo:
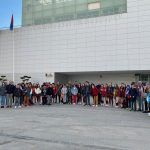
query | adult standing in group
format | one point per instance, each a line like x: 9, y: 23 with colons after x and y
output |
x: 64, y: 94
x: 140, y: 97
x: 27, y: 95
x: 103, y: 93
x: 17, y: 96
x: 87, y: 93
x: 74, y: 92
x: 94, y: 92
x: 49, y: 94
x: 38, y: 93
x: 133, y: 92
x: 2, y: 95
x: 10, y: 90
x: 98, y: 86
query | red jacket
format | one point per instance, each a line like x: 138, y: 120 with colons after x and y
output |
x: 94, y: 91
x: 103, y: 91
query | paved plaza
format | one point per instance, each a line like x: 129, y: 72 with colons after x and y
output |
x: 67, y: 127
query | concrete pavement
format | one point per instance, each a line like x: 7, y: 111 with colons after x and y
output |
x: 67, y: 127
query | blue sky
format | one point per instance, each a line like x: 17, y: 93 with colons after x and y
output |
x: 7, y: 8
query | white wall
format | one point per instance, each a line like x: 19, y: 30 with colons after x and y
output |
x: 109, y: 43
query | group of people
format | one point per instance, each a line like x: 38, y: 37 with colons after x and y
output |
x: 135, y: 97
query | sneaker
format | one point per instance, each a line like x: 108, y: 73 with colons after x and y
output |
x: 19, y: 106
x: 96, y: 105
x: 15, y: 107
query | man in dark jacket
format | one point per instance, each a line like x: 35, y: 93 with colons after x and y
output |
x: 17, y: 95
x: 10, y: 90
x: 2, y: 95
x: 133, y: 93
x: 87, y: 93
x: 49, y: 94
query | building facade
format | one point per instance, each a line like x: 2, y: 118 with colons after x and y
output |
x: 109, y: 43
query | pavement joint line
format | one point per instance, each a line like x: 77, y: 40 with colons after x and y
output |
x: 28, y: 138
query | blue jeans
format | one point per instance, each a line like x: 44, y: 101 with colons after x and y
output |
x: 17, y: 101
x: 133, y: 104
x: 2, y: 100
x: 87, y: 99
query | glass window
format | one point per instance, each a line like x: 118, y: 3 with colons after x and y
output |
x: 62, y: 10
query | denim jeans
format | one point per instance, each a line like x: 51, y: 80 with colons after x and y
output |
x: 9, y: 99
x: 2, y: 100
x: 140, y: 103
x: 87, y: 99
x: 133, y: 104
x: 17, y: 101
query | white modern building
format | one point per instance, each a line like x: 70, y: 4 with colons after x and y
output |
x: 79, y: 40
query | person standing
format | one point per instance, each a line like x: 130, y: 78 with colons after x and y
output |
x: 140, y: 96
x: 10, y: 90
x: 27, y: 94
x: 133, y: 92
x: 83, y: 94
x: 94, y: 92
x: 49, y: 94
x: 64, y: 94
x: 87, y: 93
x: 2, y: 95
x: 74, y: 92
x: 128, y: 97
x: 103, y: 93
x: 98, y: 86
x: 17, y: 96
x: 38, y: 94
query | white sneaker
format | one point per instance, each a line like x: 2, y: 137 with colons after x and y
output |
x: 15, y: 107
x: 19, y: 106
x: 96, y: 105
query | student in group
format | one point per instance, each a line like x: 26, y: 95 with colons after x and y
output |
x: 116, y: 95
x: 17, y: 96
x: 59, y: 93
x: 127, y: 97
x: 98, y: 86
x: 10, y: 90
x: 34, y: 98
x: 43, y: 94
x: 133, y: 92
x: 55, y: 93
x: 121, y: 95
x: 111, y: 94
x: 140, y: 97
x: 74, y: 92
x: 69, y: 95
x: 103, y: 93
x: 64, y: 94
x: 27, y: 95
x: 38, y: 93
x: 2, y: 95
x: 94, y: 92
x: 87, y: 93
x: 49, y: 94
x: 147, y: 100
x: 83, y: 94
x: 79, y: 99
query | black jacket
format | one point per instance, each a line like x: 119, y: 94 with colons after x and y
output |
x: 17, y: 92
x: 50, y: 91
x: 10, y: 89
